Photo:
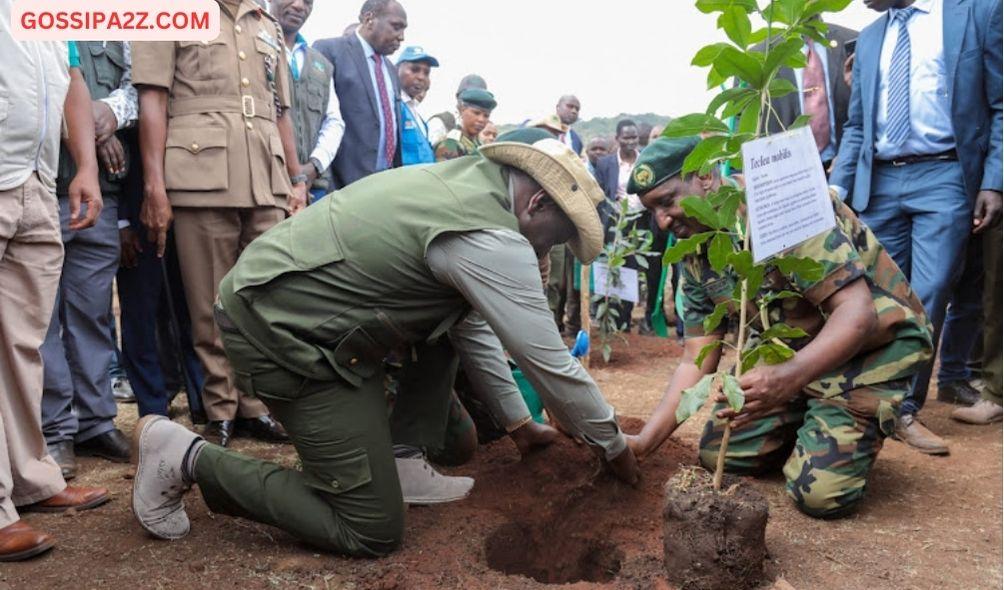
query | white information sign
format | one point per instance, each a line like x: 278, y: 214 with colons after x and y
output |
x: 627, y: 290
x: 787, y: 197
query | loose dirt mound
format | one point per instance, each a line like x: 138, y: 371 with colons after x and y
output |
x: 556, y: 517
x: 714, y: 540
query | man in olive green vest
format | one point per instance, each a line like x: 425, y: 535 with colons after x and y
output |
x: 446, y: 254
x: 317, y: 117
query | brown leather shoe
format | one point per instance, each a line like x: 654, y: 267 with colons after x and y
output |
x: 19, y: 541
x: 915, y: 434
x: 79, y: 498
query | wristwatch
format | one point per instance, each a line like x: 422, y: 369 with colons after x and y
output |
x: 298, y: 178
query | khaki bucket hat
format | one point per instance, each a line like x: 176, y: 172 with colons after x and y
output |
x: 563, y: 175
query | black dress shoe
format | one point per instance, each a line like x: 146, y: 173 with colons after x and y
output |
x: 112, y: 445
x: 219, y: 432
x: 958, y: 392
x: 62, y: 453
x: 263, y: 428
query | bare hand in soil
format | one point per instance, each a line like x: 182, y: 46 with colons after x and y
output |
x: 766, y: 388
x: 637, y: 445
x: 625, y: 467
x: 533, y: 436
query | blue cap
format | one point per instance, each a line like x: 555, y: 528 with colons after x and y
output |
x: 416, y: 53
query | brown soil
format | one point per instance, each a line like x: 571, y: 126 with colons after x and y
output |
x: 714, y: 540
x: 926, y: 523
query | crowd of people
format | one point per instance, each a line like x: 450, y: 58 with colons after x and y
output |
x: 164, y: 171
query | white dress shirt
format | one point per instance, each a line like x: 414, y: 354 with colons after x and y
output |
x: 332, y: 127
x: 930, y: 114
x: 369, y: 52
x: 623, y: 176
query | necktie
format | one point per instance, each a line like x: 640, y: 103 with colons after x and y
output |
x: 898, y: 118
x: 815, y: 103
x: 388, y: 115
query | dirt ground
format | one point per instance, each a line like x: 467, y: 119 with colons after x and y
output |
x: 928, y: 522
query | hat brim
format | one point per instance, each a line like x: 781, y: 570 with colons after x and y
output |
x: 433, y: 62
x: 564, y: 177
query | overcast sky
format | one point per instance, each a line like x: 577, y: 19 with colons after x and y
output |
x: 617, y: 56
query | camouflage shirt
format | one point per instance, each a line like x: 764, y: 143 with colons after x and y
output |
x: 895, y: 349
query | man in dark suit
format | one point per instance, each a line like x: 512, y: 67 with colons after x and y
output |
x: 368, y: 90
x: 920, y: 157
x: 824, y: 98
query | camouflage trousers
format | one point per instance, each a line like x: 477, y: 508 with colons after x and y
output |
x: 827, y: 445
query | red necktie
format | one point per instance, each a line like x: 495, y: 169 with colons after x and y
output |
x: 388, y: 114
x: 814, y: 98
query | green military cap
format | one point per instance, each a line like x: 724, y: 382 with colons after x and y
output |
x: 661, y: 160
x: 528, y: 135
x: 477, y: 97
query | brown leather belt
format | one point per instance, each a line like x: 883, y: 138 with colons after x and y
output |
x: 946, y: 156
x: 247, y: 105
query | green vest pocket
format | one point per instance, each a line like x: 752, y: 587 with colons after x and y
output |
x: 356, y: 357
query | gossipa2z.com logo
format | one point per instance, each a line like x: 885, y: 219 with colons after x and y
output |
x: 115, y: 20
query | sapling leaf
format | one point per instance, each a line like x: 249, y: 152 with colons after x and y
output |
x: 706, y: 55
x: 677, y: 251
x: 694, y: 124
x: 705, y: 351
x: 744, y: 66
x: 750, y: 358
x: 732, y: 391
x: 779, y: 54
x: 748, y: 120
x: 719, y: 250
x: 736, y: 24
x: 715, y: 79
x: 806, y: 269
x: 730, y: 96
x: 693, y: 398
x: 709, y: 6
x: 712, y: 321
x: 641, y: 261
x: 773, y: 353
x: 772, y: 297
x: 728, y: 207
x: 739, y: 105
x: 783, y: 331
x: 800, y: 121
x: 703, y: 151
x: 700, y: 209
x: 779, y: 87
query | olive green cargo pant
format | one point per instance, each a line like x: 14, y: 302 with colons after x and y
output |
x: 346, y: 497
x: 827, y: 445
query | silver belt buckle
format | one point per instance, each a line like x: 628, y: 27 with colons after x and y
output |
x: 247, y: 105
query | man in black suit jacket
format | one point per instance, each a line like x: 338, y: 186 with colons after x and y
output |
x: 789, y: 107
x: 371, y: 141
x: 568, y: 112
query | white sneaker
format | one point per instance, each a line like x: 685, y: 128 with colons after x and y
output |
x: 159, y: 447
x: 122, y: 391
x: 422, y: 484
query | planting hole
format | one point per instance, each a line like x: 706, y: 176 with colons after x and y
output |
x: 550, y: 555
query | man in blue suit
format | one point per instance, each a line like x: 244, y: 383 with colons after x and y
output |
x: 367, y: 86
x: 920, y: 159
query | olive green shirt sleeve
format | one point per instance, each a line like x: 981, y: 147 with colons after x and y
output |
x: 497, y: 272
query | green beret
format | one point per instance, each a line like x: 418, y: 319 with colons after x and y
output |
x: 527, y: 135
x: 477, y: 97
x: 661, y: 160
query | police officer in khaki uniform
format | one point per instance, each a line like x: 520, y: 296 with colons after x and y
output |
x: 219, y: 158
